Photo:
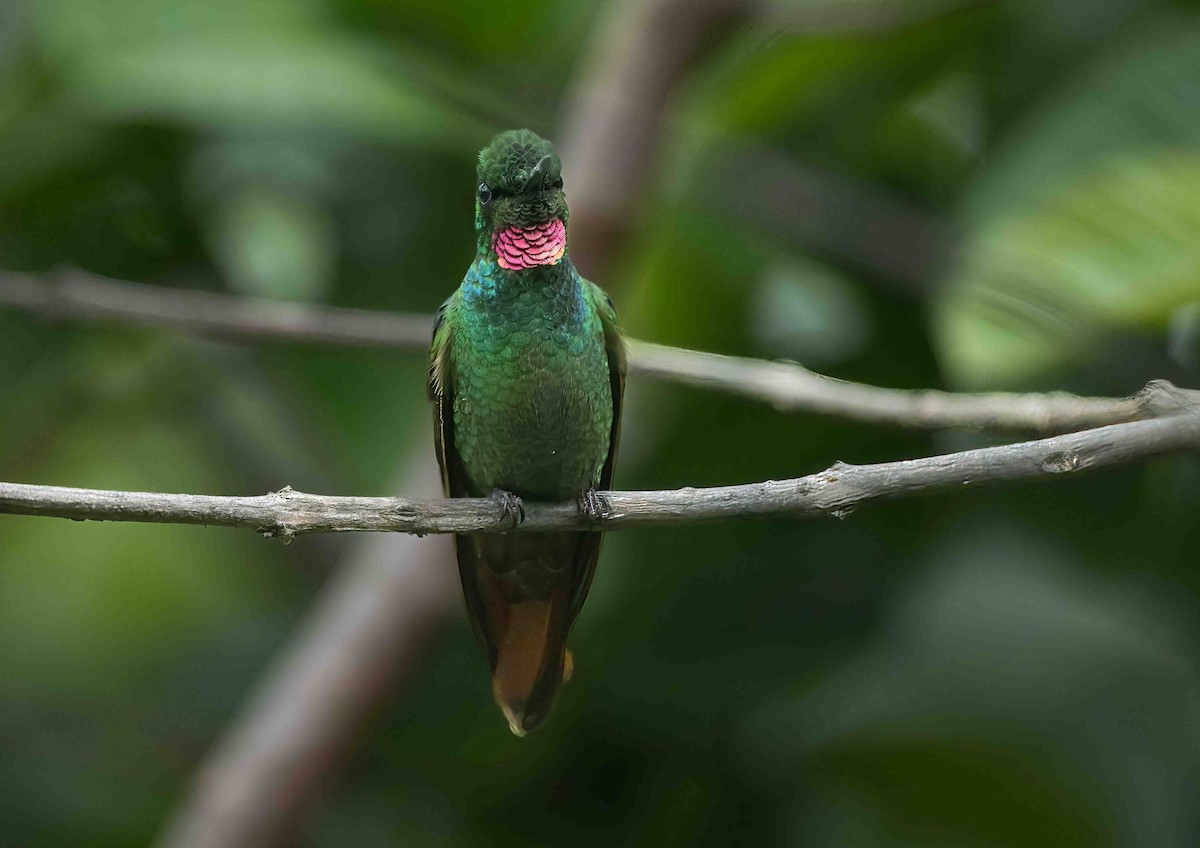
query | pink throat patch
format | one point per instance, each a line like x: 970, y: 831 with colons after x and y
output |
x: 527, y: 247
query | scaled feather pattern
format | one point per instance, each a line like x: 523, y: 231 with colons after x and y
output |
x: 518, y: 248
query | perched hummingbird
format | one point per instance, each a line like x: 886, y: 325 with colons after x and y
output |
x: 526, y: 374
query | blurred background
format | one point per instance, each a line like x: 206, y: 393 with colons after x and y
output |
x: 929, y: 194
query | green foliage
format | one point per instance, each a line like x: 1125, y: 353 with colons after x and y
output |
x: 1085, y: 225
x: 1115, y: 251
x: 1004, y: 195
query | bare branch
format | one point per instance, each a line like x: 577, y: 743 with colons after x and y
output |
x: 788, y: 386
x: 791, y: 387
x: 73, y: 295
x: 835, y: 491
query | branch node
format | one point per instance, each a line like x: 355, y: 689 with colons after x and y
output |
x: 834, y: 472
x: 1162, y: 397
x: 1062, y: 462
x: 402, y: 510
x: 280, y: 531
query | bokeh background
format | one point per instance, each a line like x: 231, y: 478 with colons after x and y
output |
x: 927, y: 194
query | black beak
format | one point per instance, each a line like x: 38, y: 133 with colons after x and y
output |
x: 537, y: 175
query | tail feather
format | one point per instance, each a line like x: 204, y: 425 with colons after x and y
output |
x: 520, y: 657
x: 522, y: 593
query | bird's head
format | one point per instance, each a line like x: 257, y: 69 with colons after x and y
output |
x: 520, y: 208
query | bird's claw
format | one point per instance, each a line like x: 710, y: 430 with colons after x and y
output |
x: 512, y: 508
x: 593, y: 506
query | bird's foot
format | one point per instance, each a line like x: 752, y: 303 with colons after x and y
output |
x: 593, y: 506
x: 512, y: 508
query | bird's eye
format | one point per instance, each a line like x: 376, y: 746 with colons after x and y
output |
x: 485, y: 194
x: 557, y: 183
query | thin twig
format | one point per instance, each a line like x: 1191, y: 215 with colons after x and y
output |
x: 833, y: 492
x: 70, y: 294
x: 77, y: 295
x: 793, y: 388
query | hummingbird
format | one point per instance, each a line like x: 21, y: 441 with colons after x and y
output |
x: 526, y: 376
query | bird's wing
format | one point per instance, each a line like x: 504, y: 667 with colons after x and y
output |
x: 441, y: 393
x: 455, y: 482
x: 614, y: 343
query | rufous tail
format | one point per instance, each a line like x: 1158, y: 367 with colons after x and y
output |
x: 520, y: 659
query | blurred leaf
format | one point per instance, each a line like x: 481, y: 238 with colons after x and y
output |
x: 1142, y: 93
x: 841, y: 17
x: 819, y: 85
x: 45, y: 143
x: 280, y: 78
x: 1085, y: 225
x: 808, y: 312
x: 1119, y: 248
x: 228, y: 164
x: 1183, y: 336
x: 953, y: 108
x: 72, y: 27
x: 270, y: 244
